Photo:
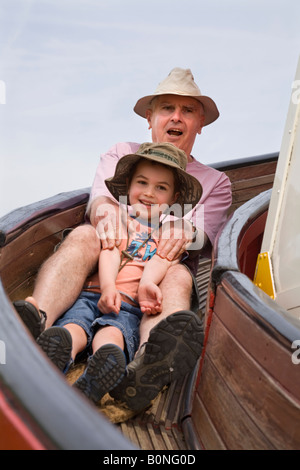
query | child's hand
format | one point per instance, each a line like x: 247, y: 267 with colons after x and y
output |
x: 150, y: 298
x: 110, y: 301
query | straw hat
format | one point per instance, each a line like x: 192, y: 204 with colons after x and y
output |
x: 167, y: 154
x: 180, y: 82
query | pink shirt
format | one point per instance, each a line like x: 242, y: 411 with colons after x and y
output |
x: 211, y: 212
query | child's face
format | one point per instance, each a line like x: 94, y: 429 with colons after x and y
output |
x: 151, y: 186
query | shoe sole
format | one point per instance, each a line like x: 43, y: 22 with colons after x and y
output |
x: 56, y: 342
x: 31, y: 317
x: 172, y: 351
x: 104, y: 371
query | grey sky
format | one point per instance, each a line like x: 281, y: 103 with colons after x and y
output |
x: 73, y: 70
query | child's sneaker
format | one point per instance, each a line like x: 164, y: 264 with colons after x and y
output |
x: 104, y: 371
x: 56, y: 342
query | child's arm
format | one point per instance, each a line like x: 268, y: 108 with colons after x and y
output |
x: 109, y: 263
x: 149, y: 294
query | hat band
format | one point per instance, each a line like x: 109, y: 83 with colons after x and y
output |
x: 161, y: 154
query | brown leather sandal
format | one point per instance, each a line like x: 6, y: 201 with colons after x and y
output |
x: 34, y: 319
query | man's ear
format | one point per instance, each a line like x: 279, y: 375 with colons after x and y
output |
x: 148, y: 117
x: 202, y: 118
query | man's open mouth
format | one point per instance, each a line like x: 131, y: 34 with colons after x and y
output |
x: 175, y: 132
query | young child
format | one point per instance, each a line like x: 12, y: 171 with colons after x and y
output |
x: 107, y: 314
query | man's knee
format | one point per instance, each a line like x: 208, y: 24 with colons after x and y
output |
x: 178, y: 277
x: 85, y: 238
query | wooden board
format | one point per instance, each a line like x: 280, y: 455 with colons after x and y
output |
x: 247, y: 379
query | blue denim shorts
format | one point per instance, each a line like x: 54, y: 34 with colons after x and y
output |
x: 85, y: 313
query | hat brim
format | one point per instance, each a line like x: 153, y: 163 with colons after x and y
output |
x: 190, y: 187
x: 211, y: 111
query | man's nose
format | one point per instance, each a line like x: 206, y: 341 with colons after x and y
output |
x: 176, y: 116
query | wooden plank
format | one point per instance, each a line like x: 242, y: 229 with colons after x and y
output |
x: 264, y: 349
x: 142, y: 434
x: 244, y: 195
x: 168, y: 438
x: 23, y: 256
x: 14, y: 223
x: 252, y: 182
x: 22, y: 290
x: 249, y: 181
x: 179, y: 439
x: 53, y: 226
x: 156, y: 438
x: 251, y: 171
x: 275, y: 413
x: 209, y: 436
x: 129, y: 432
x: 26, y: 266
x: 234, y: 426
x: 174, y: 415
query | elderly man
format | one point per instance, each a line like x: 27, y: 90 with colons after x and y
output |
x: 171, y: 339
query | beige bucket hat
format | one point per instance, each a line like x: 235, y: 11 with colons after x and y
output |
x: 189, y: 187
x: 180, y: 82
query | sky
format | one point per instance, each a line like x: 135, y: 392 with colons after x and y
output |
x: 71, y: 72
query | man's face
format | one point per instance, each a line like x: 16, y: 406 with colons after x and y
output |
x: 176, y: 119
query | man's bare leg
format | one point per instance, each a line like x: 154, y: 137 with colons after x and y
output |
x: 61, y: 277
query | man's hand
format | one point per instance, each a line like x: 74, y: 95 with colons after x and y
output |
x: 176, y: 236
x: 105, y: 218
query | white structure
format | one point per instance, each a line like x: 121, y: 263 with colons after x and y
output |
x: 278, y: 267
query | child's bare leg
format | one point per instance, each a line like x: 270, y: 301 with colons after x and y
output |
x: 79, y: 338
x: 108, y: 335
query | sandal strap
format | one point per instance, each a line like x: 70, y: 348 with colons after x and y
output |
x: 43, y: 319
